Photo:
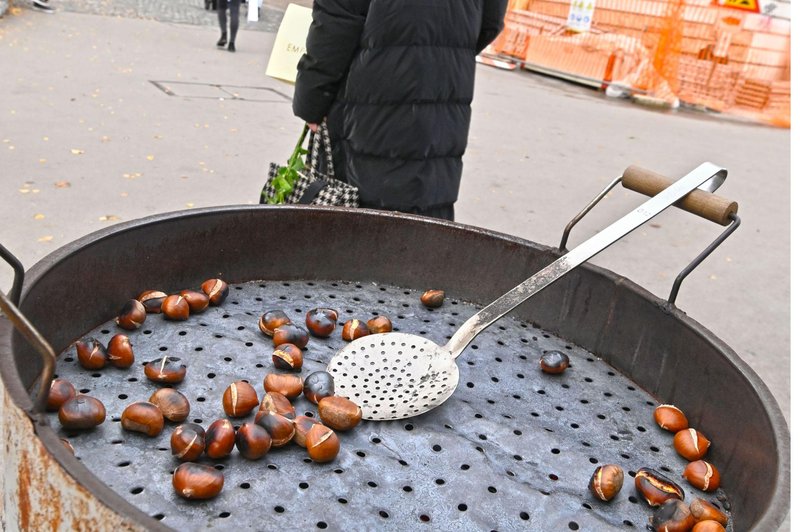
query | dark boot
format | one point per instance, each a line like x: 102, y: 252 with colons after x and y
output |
x: 231, y: 47
x: 223, y: 40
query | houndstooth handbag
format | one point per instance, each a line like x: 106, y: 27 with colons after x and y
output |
x: 315, y: 183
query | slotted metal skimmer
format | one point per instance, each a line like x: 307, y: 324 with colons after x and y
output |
x: 402, y: 375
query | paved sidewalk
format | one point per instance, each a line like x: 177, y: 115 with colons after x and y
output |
x: 111, y: 118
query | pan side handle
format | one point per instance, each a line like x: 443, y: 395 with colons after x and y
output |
x: 704, y: 204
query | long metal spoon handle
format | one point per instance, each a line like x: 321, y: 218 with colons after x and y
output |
x: 588, y: 249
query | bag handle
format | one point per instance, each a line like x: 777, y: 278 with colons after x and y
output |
x: 322, y: 140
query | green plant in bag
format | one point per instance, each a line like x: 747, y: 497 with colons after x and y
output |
x: 287, y: 176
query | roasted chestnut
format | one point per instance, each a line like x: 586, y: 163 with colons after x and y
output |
x: 704, y: 510
x: 91, y: 353
x: 302, y: 424
x: 432, y: 298
x: 253, y: 441
x: 216, y: 290
x: 132, y: 315
x: 339, y: 413
x: 702, y: 475
x: 197, y: 481
x: 606, y: 481
x: 379, y: 324
x: 280, y: 428
x: 188, y: 441
x: 287, y: 384
x: 354, y: 329
x: 239, y: 399
x: 172, y: 403
x: 120, y: 352
x: 277, y: 403
x: 175, y: 307
x: 554, y: 362
x: 318, y: 385
x: 670, y: 417
x: 655, y: 487
x: 708, y: 526
x: 288, y: 357
x: 81, y: 412
x: 61, y: 391
x: 673, y: 516
x: 152, y: 299
x: 691, y: 444
x: 166, y: 370
x: 271, y: 320
x: 321, y: 322
x: 322, y: 443
x: 143, y: 417
x: 220, y: 439
x: 198, y: 301
x: 290, y: 333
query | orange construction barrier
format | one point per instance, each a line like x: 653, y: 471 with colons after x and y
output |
x: 691, y: 52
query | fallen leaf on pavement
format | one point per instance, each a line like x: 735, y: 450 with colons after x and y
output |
x: 76, y: 151
x: 47, y: 238
x: 190, y: 205
x: 109, y: 218
x: 150, y: 157
x: 63, y: 184
x: 38, y: 217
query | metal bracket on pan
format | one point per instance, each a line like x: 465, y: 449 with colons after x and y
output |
x: 688, y: 269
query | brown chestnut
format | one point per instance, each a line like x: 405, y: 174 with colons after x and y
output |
x: 198, y: 301
x: 166, y: 370
x: 321, y: 322
x: 288, y: 357
x: 277, y: 403
x: 143, y: 417
x: 253, y: 441
x: 197, y: 481
x: 287, y: 384
x: 606, y: 481
x: 175, y: 307
x: 354, y: 329
x: 379, y: 324
x: 704, y: 510
x: 188, y: 441
x: 61, y: 391
x: 339, y: 413
x: 280, y: 428
x: 655, y: 487
x: 554, y: 362
x: 302, y: 424
x: 318, y: 385
x: 691, y: 444
x: 708, y: 525
x: 702, y: 475
x: 216, y: 290
x: 152, y: 299
x: 81, y: 412
x: 220, y: 439
x: 172, y: 403
x: 673, y: 516
x: 120, y: 352
x: 290, y: 333
x: 671, y: 418
x: 432, y: 298
x: 132, y: 315
x: 239, y: 399
x: 271, y: 320
x: 322, y: 443
x: 91, y: 353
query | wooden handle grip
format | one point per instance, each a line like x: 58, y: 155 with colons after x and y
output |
x: 704, y: 204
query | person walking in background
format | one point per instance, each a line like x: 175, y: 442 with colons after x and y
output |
x: 394, y: 79
x: 43, y: 6
x: 222, y: 7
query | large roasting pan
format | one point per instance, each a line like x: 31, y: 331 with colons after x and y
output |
x: 662, y: 350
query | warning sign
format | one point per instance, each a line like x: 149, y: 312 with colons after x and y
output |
x: 746, y: 5
x: 580, y: 15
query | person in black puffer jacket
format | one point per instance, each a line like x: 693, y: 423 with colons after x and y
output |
x: 395, y: 79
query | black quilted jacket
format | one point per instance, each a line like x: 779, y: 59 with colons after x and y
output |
x: 395, y: 79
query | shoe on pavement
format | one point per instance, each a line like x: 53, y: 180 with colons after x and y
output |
x: 223, y: 40
x: 231, y: 47
x: 41, y: 5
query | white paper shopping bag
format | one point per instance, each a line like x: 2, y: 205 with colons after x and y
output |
x: 290, y: 43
